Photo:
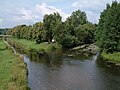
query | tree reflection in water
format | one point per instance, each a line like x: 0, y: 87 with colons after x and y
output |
x: 51, y: 60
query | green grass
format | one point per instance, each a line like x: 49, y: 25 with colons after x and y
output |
x: 13, y: 72
x: 31, y: 45
x: 114, y: 57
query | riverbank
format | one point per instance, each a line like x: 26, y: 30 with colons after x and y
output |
x: 32, y: 46
x: 13, y: 72
x: 113, y: 58
x: 45, y: 47
x: 86, y: 49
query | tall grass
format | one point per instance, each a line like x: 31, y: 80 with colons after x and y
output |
x: 32, y: 45
x: 112, y: 57
x: 13, y: 72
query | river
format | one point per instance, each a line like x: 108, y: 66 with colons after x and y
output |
x: 66, y: 72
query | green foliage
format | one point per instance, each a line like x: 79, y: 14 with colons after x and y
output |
x: 31, y: 45
x: 77, y: 18
x: 74, y: 31
x: 13, y: 73
x: 108, y: 32
x: 50, y: 24
x: 67, y: 41
x: 114, y: 57
x: 85, y: 33
x: 37, y: 32
x: 27, y: 32
x: 59, y: 33
x: 67, y: 35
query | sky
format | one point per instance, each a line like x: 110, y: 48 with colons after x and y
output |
x: 18, y: 12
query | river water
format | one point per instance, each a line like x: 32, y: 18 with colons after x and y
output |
x: 66, y: 72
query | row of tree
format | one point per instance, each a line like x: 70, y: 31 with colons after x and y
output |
x: 74, y: 31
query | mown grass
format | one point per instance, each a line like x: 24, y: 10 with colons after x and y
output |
x: 31, y: 45
x: 112, y: 57
x: 13, y: 72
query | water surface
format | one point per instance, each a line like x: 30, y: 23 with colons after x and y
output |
x: 62, y: 72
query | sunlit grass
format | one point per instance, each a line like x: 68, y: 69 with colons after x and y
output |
x: 31, y: 45
x: 112, y: 57
x: 13, y: 72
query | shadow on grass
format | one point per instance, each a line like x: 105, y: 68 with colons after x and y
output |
x: 2, y: 49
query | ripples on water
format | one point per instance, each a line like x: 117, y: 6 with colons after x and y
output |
x: 60, y: 72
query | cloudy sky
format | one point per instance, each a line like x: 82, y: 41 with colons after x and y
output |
x: 15, y: 12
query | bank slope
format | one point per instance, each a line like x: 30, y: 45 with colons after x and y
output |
x: 111, y: 57
x: 32, y: 46
x: 13, y: 72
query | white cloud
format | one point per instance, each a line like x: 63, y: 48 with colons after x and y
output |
x: 1, y: 20
x: 94, y: 4
x: 92, y: 16
x: 45, y: 9
x: 75, y: 4
x: 37, y: 13
x: 91, y: 7
x: 25, y: 15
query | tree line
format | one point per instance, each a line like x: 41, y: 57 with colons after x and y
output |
x: 2, y: 31
x: 76, y: 30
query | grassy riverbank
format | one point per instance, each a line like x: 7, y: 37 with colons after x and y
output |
x: 113, y: 58
x: 13, y: 72
x: 31, y: 45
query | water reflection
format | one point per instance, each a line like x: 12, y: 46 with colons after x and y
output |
x: 49, y: 60
x: 59, y: 72
x: 108, y: 68
x: 69, y: 71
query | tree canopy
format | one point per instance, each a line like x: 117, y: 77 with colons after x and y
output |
x: 74, y: 31
x: 108, y: 31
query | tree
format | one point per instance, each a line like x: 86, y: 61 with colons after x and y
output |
x: 37, y: 32
x: 77, y: 18
x: 50, y: 24
x: 108, y: 32
x: 74, y: 31
x: 85, y: 33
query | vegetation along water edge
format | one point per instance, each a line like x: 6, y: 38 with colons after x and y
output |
x: 13, y: 71
x: 52, y: 33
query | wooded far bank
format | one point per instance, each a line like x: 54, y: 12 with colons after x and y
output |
x: 76, y: 30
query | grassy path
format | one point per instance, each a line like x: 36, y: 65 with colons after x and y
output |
x: 13, y: 72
